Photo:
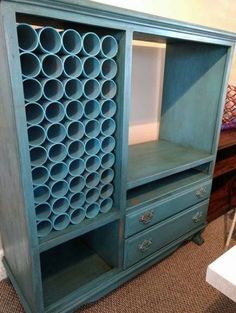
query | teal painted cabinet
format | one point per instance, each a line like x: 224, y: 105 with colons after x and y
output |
x: 81, y: 210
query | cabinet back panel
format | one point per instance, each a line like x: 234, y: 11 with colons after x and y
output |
x: 192, y: 86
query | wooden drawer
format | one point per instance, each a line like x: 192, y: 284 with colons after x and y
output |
x: 149, y: 241
x: 143, y: 218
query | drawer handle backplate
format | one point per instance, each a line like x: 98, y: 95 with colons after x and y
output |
x: 197, y: 217
x: 201, y: 192
x: 145, y: 245
x: 146, y: 217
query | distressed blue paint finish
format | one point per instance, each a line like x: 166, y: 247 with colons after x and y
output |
x: 161, y: 190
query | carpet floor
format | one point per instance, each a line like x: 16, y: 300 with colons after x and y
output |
x: 176, y: 285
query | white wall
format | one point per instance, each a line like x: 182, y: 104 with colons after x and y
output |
x: 147, y: 75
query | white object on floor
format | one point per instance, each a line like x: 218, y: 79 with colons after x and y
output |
x: 221, y: 274
x: 3, y: 274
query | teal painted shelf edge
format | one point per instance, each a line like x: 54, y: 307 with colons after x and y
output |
x: 158, y: 159
x: 56, y: 238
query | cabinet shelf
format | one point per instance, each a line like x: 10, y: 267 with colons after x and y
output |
x: 154, y: 191
x: 56, y: 238
x: 157, y: 159
x: 68, y: 268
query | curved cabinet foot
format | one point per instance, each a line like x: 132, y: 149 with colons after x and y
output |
x: 197, y: 239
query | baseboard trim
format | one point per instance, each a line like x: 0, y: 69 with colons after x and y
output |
x: 3, y: 273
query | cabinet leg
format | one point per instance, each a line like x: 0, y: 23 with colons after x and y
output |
x: 197, y: 239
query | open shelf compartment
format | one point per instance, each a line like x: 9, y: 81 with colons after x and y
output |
x: 156, y: 190
x: 172, y: 123
x: 68, y: 269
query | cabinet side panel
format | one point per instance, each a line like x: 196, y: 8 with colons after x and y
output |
x: 191, y: 96
x: 20, y: 254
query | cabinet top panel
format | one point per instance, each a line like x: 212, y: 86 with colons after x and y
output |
x: 125, y: 20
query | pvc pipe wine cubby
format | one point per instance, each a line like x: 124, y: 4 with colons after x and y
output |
x: 69, y: 86
x: 81, y: 211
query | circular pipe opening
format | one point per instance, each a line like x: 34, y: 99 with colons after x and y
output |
x: 61, y: 221
x: 72, y: 66
x: 106, y: 191
x: 77, y: 184
x: 91, y: 89
x: 91, y: 44
x: 36, y: 135
x: 41, y: 194
x: 76, y: 149
x: 77, y: 200
x: 91, y: 109
x: 34, y: 113
x: 77, y: 216
x: 32, y: 89
x: 60, y: 205
x: 44, y: 228
x: 71, y: 41
x: 57, y: 152
x: 75, y: 130
x: 92, y: 195
x: 30, y: 64
x: 92, y: 146
x: 108, y: 144
x: 38, y: 156
x: 58, y: 171
x: 73, y: 88
x: 106, y: 205
x: 92, y: 210
x: 59, y: 188
x: 108, y: 127
x: 108, y: 89
x: 52, y: 89
x: 92, y: 128
x: 107, y: 176
x: 51, y: 66
x: 49, y: 40
x: 108, y: 108
x: 27, y: 37
x: 92, y: 180
x: 108, y: 69
x: 54, y: 112
x: 92, y: 163
x: 91, y: 67
x: 42, y: 211
x: 107, y: 160
x: 40, y: 175
x: 74, y: 110
x: 56, y: 133
x: 109, y: 47
x: 76, y: 167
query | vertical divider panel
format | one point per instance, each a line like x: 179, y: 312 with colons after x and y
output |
x: 124, y: 98
x: 27, y: 275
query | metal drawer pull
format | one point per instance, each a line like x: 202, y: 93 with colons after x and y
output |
x: 201, y: 192
x: 197, y: 217
x: 145, y: 245
x: 146, y: 217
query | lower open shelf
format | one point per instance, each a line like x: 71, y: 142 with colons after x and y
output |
x: 157, y: 159
x: 76, y: 266
x: 70, y: 268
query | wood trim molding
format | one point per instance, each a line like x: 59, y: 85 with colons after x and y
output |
x: 90, y: 8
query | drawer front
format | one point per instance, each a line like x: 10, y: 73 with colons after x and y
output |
x: 147, y: 242
x: 154, y: 213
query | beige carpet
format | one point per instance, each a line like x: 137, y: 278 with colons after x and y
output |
x: 176, y: 285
